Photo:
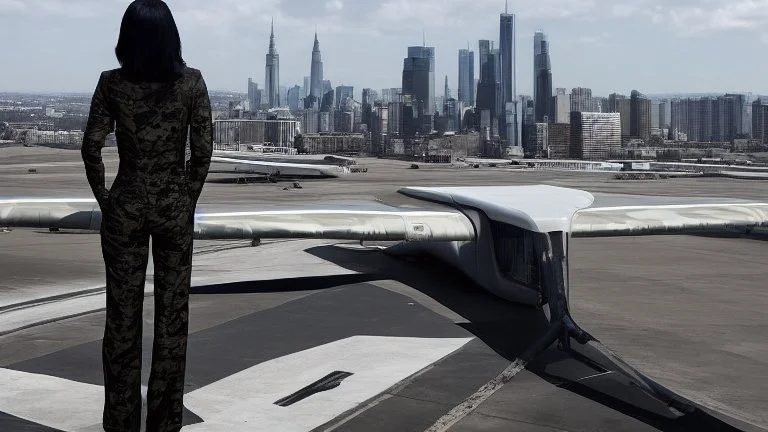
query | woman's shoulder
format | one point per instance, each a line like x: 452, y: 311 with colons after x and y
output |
x: 189, y: 75
x: 192, y: 73
x: 109, y: 74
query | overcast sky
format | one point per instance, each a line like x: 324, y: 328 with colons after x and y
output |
x: 608, y: 45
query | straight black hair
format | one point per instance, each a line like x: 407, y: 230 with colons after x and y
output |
x: 149, y: 46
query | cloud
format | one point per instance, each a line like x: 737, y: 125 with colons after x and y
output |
x: 228, y: 18
x: 555, y: 8
x: 11, y: 5
x: 334, y: 5
x: 598, y: 40
x: 709, y: 15
x: 624, y: 10
x: 413, y: 15
x: 223, y: 18
x: 65, y: 8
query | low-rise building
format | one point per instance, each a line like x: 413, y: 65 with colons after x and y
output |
x: 280, y: 133
x: 333, y: 143
x: 595, y: 136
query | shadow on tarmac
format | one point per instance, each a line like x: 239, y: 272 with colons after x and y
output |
x: 510, y: 329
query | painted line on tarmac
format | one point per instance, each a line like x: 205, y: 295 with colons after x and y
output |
x: 471, y: 403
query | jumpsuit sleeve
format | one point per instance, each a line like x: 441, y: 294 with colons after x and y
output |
x: 100, y: 124
x: 200, y: 138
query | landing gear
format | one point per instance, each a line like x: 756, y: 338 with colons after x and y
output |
x: 619, y: 385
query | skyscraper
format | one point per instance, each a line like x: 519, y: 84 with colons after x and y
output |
x: 486, y: 97
x: 427, y: 53
x: 528, y: 125
x: 640, y: 116
x: 484, y: 50
x: 367, y: 108
x: 731, y: 116
x: 760, y: 121
x: 708, y: 118
x: 305, y: 89
x: 489, y: 88
x: 343, y: 92
x: 663, y: 114
x: 581, y: 100
x: 283, y: 96
x: 316, y: 74
x: 467, y: 77
x: 542, y: 78
x: 294, y: 96
x: 272, y: 76
x: 253, y: 92
x: 446, y: 90
x: 619, y: 103
x: 507, y: 52
x: 419, y: 90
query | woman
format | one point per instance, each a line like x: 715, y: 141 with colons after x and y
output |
x: 155, y: 103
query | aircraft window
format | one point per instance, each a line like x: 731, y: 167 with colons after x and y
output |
x: 516, y: 254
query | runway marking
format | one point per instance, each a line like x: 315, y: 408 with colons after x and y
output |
x: 471, y: 403
x: 59, y: 403
x: 245, y: 401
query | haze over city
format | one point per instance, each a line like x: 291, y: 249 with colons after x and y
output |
x: 674, y: 46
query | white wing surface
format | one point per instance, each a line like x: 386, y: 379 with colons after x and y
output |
x: 347, y: 221
x: 623, y: 215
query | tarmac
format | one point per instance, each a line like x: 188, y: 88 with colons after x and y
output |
x: 687, y: 311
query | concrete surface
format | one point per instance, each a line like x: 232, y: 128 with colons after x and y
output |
x: 687, y: 311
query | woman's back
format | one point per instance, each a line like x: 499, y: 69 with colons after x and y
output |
x: 152, y: 119
x: 152, y: 122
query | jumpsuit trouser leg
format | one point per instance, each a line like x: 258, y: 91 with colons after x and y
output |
x: 172, y: 237
x: 125, y: 247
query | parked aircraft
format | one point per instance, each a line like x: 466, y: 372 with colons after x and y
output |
x: 246, y: 163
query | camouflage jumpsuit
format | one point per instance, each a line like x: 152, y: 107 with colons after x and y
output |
x: 154, y: 194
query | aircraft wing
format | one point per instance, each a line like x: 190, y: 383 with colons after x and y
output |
x: 343, y: 221
x: 533, y: 208
x: 628, y: 215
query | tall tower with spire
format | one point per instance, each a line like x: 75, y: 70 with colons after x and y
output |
x: 316, y: 73
x: 272, y: 75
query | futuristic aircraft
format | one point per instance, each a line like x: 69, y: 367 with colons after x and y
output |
x: 512, y: 241
x: 246, y: 163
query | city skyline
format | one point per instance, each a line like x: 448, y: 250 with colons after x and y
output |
x: 580, y: 56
